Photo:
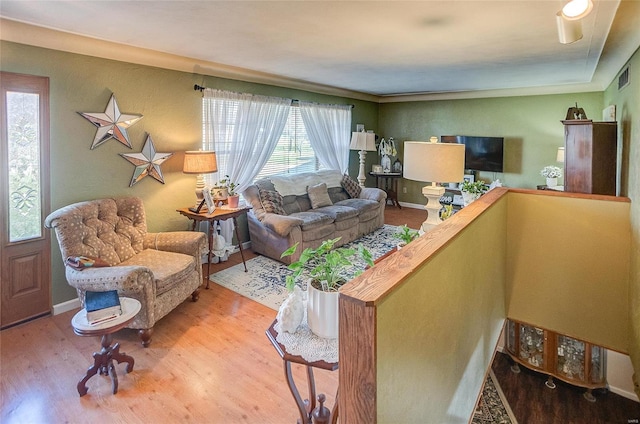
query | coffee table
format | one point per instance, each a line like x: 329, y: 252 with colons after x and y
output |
x: 103, y: 360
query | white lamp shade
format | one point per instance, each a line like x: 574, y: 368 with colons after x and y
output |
x: 199, y: 162
x: 363, y: 141
x: 560, y: 155
x: 433, y: 162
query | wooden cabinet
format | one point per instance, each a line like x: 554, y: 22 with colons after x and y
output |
x: 570, y: 360
x: 591, y: 151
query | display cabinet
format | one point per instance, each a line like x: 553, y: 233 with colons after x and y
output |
x: 558, y: 356
x: 590, y: 156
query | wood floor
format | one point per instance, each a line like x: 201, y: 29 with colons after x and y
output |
x: 209, y: 362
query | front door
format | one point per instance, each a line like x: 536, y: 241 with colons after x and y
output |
x: 25, y: 249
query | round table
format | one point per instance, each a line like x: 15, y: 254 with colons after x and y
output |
x: 103, y: 360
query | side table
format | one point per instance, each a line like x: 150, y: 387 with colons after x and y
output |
x: 103, y: 360
x: 220, y: 214
x: 388, y: 181
x: 306, y: 407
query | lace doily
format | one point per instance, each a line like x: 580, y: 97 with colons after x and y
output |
x: 307, y: 345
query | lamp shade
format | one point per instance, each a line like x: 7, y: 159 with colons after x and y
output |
x: 433, y: 162
x: 199, y: 162
x: 363, y: 141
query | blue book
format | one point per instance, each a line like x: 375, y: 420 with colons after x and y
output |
x: 102, y: 306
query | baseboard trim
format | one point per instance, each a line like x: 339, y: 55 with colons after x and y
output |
x: 66, y: 306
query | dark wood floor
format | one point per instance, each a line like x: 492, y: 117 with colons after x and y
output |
x: 531, y: 401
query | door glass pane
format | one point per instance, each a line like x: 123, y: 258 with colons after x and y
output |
x: 23, y: 137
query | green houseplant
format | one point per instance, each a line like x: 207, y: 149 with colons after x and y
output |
x: 327, y: 266
x: 472, y: 190
x: 406, y: 235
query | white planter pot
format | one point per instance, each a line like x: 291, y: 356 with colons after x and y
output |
x: 322, y: 312
x: 468, y: 198
x: 552, y: 182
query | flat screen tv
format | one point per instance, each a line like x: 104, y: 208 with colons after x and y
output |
x: 480, y: 153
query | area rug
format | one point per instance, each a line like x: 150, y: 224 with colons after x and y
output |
x: 265, y: 279
x: 492, y: 407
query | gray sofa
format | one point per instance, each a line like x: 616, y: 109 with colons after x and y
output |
x: 309, y: 208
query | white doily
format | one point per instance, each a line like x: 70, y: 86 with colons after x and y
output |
x: 306, y: 344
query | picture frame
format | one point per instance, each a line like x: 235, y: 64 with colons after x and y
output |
x: 206, y: 192
x: 469, y: 178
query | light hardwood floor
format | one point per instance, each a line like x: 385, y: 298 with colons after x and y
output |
x: 209, y: 362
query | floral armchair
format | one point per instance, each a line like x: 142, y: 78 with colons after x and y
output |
x: 159, y: 269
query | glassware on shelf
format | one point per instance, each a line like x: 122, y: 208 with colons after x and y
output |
x: 532, y: 345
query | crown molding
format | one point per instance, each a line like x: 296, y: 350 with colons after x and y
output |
x: 23, y: 33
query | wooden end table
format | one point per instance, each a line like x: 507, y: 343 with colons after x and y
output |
x: 388, y: 181
x: 219, y: 214
x: 103, y: 360
x: 305, y: 407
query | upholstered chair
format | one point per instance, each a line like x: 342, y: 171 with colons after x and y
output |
x: 160, y: 270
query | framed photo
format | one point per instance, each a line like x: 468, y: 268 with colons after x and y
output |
x: 609, y: 113
x: 206, y: 192
x: 469, y: 178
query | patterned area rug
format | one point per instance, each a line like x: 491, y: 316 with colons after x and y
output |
x: 265, y: 280
x: 492, y: 407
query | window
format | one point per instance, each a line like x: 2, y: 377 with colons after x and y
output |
x: 293, y: 153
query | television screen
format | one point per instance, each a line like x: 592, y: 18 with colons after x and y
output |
x: 480, y: 153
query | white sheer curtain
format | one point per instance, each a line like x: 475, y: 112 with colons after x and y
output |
x: 329, y: 131
x: 244, y: 130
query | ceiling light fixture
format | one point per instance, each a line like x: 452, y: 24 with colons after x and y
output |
x: 577, y: 9
x: 569, y: 31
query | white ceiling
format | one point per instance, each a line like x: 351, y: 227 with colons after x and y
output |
x: 381, y: 48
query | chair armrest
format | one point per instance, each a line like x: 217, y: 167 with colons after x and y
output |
x: 192, y: 243
x: 132, y: 281
x: 373, y: 193
x: 281, y: 224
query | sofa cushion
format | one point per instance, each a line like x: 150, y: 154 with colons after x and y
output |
x: 351, y: 186
x: 272, y: 202
x: 319, y: 196
x: 360, y: 205
x: 169, y: 268
x: 312, y: 219
x: 338, y: 212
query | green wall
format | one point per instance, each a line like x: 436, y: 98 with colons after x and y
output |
x: 172, y: 115
x: 627, y: 103
x: 530, y: 125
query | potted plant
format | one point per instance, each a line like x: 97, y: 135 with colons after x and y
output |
x: 327, y: 267
x: 225, y: 189
x: 234, y: 197
x: 406, y: 236
x: 471, y: 191
x: 551, y: 173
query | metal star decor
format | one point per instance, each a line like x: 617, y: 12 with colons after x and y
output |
x: 111, y: 124
x: 147, y: 162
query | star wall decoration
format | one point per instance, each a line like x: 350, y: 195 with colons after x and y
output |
x: 111, y: 124
x: 147, y: 162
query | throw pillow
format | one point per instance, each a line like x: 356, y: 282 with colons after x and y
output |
x: 351, y: 186
x: 272, y: 202
x: 319, y: 196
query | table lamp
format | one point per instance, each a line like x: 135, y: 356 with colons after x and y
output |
x: 433, y: 162
x: 364, y: 142
x: 199, y: 162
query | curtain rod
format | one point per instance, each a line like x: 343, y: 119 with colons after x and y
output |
x: 200, y: 88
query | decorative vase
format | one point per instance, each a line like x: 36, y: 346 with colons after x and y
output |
x: 220, y: 193
x: 234, y: 200
x: 552, y: 182
x: 322, y: 312
x: 386, y: 163
x: 468, y: 198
